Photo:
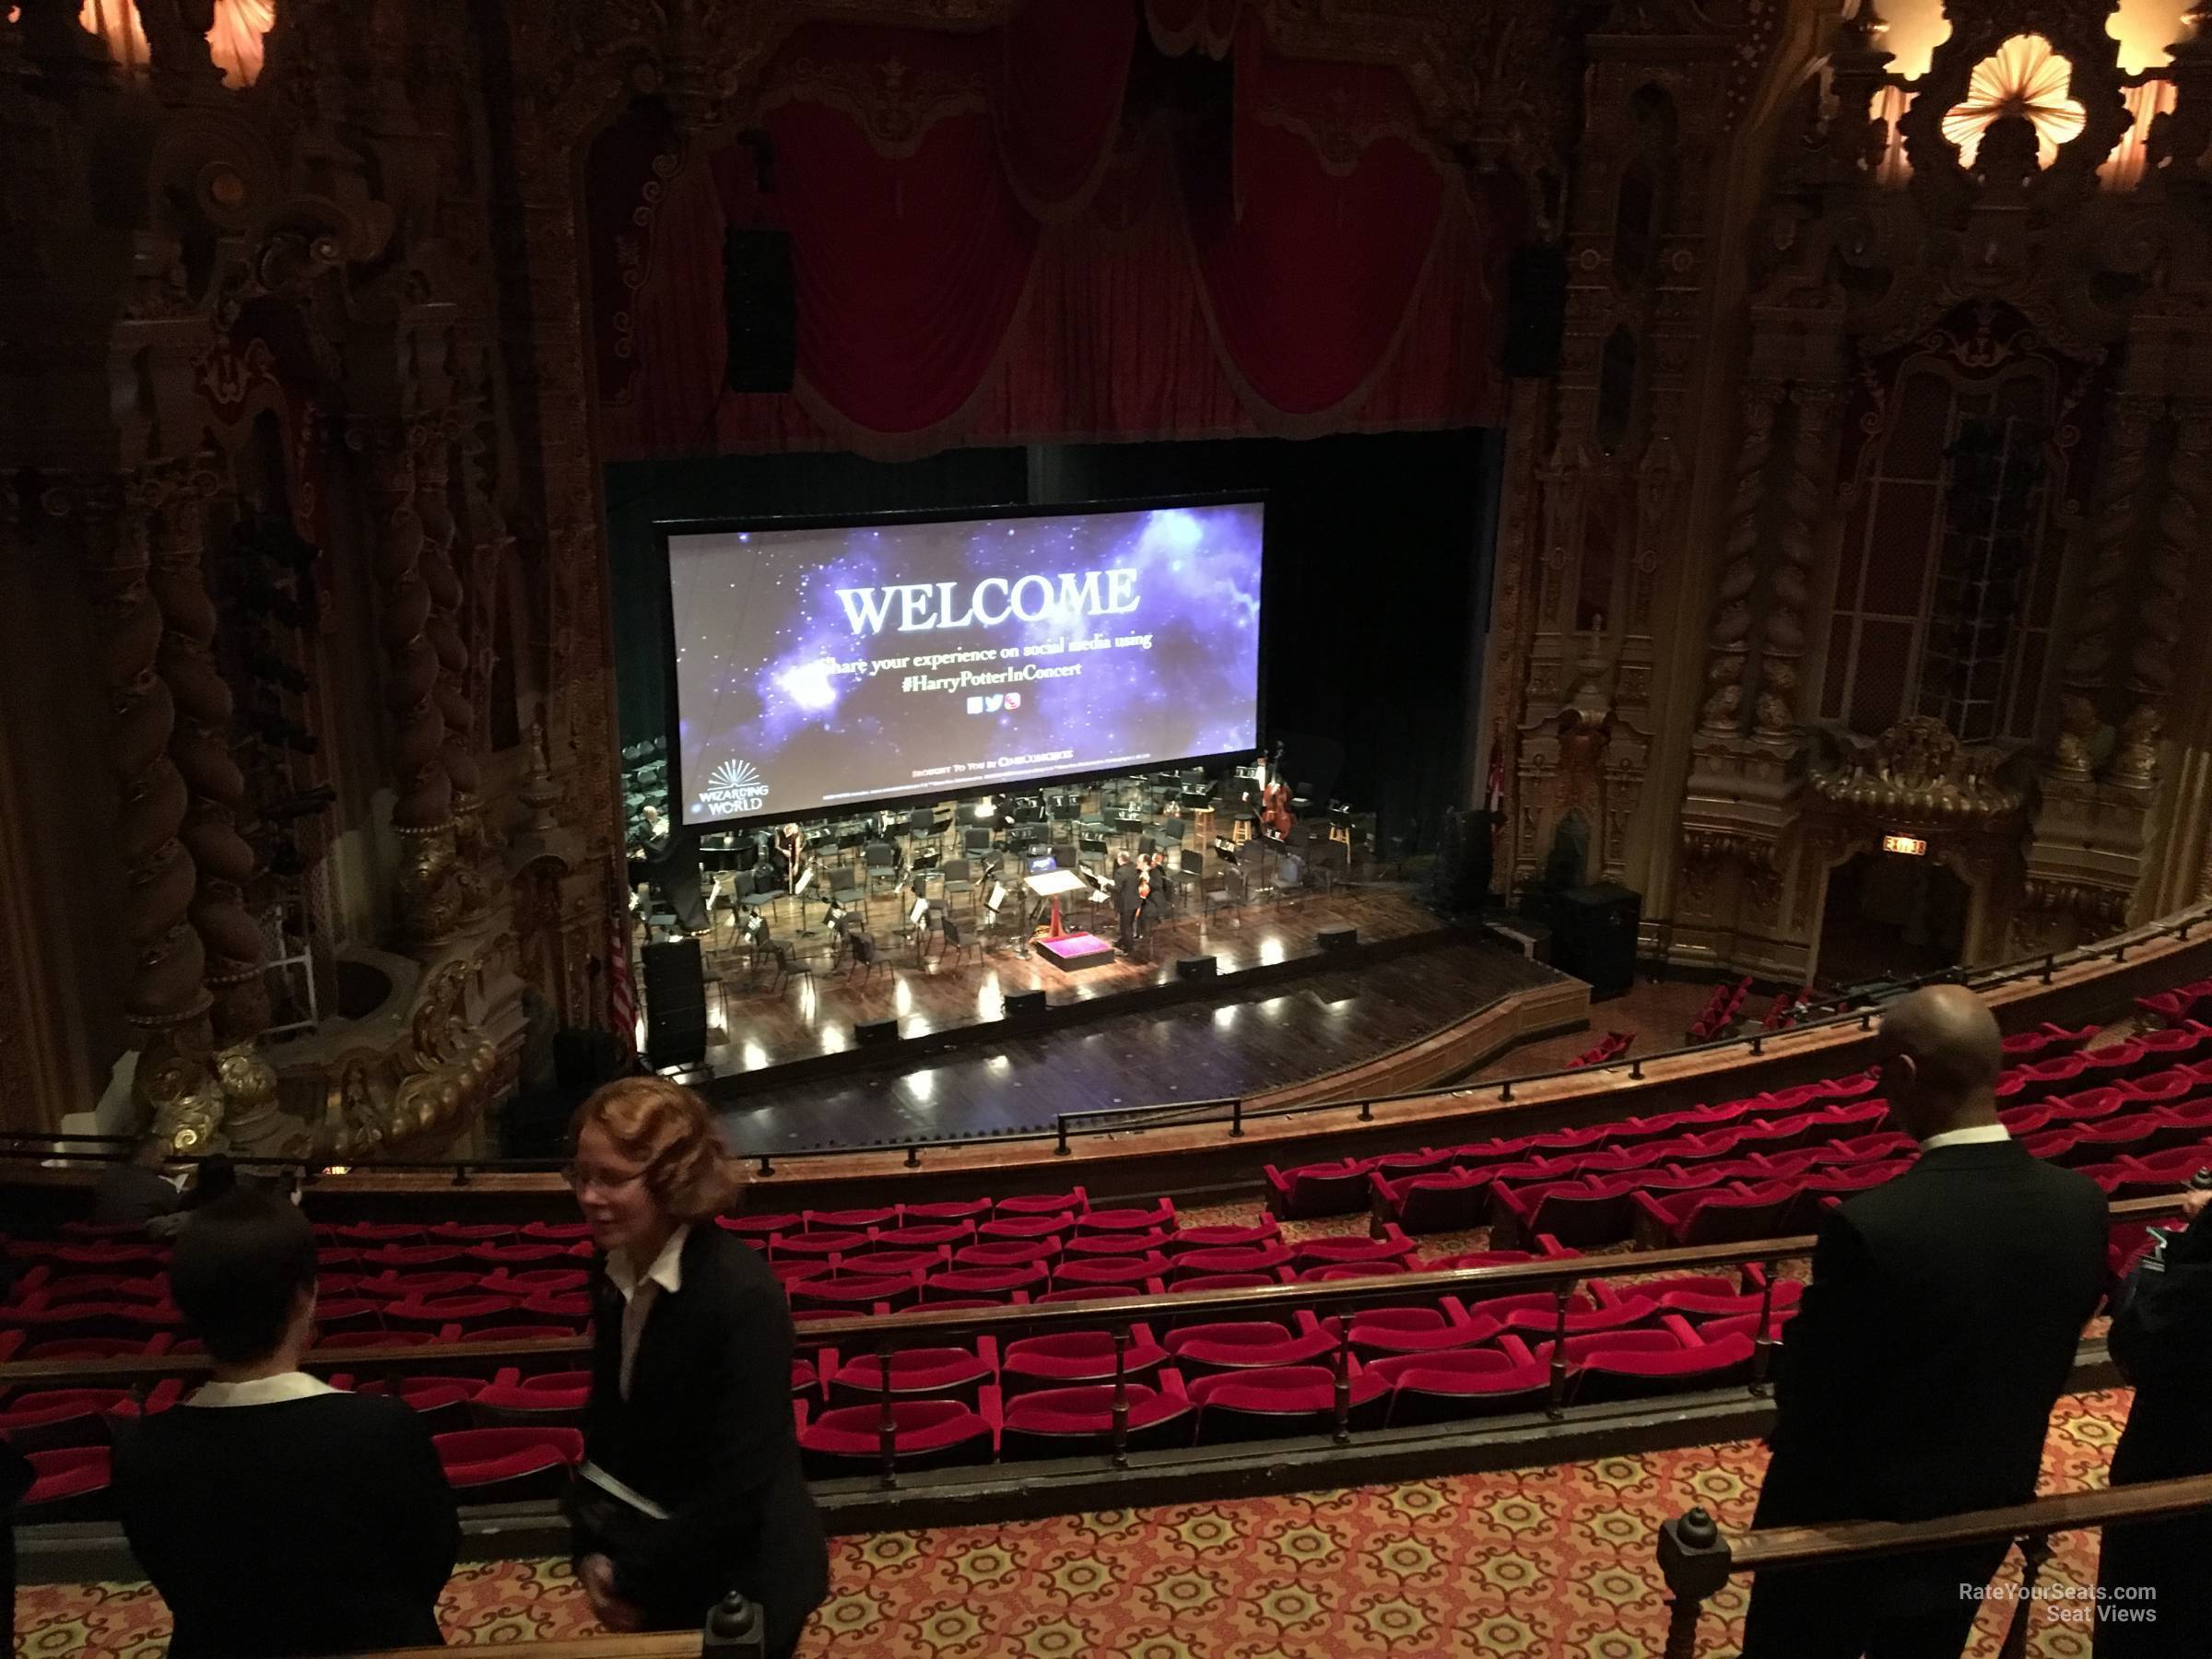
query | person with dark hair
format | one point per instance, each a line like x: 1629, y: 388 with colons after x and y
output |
x: 691, y: 1485
x: 1919, y: 1374
x: 276, y: 1514
x: 135, y: 1192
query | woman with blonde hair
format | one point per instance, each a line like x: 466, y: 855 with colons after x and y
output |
x: 692, y: 1485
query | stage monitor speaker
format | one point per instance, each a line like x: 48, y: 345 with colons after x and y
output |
x: 1535, y: 311
x: 1197, y: 968
x: 1594, y: 936
x: 759, y: 307
x: 1024, y: 1004
x: 875, y: 1032
x: 676, y: 1005
x: 1337, y: 938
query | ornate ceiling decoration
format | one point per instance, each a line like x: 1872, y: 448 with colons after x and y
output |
x: 2025, y: 77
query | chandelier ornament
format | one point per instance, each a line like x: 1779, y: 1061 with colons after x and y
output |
x: 2024, y: 76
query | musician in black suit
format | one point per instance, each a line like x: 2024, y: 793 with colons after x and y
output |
x: 1939, y: 1328
x: 2158, y: 1596
x: 278, y: 1516
x: 1127, y: 885
x: 692, y: 1487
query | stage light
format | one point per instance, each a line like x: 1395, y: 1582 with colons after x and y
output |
x: 986, y: 808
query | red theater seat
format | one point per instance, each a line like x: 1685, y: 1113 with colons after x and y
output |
x: 1394, y: 1246
x: 927, y: 1235
x: 1606, y: 1372
x: 1249, y: 1258
x: 508, y: 1465
x: 1141, y: 1218
x: 1132, y: 1272
x: 1344, y: 1270
x: 992, y: 1284
x: 1200, y: 1283
x: 1281, y: 1401
x: 1262, y: 1229
x: 1322, y: 1189
x: 758, y: 1230
x: 847, y: 1441
x: 1117, y: 1243
x: 1060, y: 1422
x: 1238, y: 1345
x: 48, y: 1419
x: 953, y: 1210
x: 1379, y: 1332
x: 1461, y: 1382
x: 1723, y: 1217
x: 1071, y: 1203
x: 1064, y: 1358
x: 556, y: 1400
x: 69, y: 1483
x: 854, y: 1294
x: 848, y: 1220
x: 1452, y: 1201
x: 916, y: 1373
x: 1024, y: 1230
x: 1008, y: 1253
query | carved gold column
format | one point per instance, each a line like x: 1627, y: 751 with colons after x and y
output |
x: 2181, y: 535
x: 2096, y: 604
x: 200, y: 747
x: 431, y: 902
x: 1805, y: 505
x: 1727, y: 637
x: 441, y: 629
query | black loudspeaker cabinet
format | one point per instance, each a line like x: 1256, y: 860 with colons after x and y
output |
x: 1197, y: 968
x: 760, y: 310
x: 676, y: 1004
x: 1594, y: 936
x: 1024, y: 1004
x: 1337, y: 938
x: 874, y: 1033
x: 1535, y: 311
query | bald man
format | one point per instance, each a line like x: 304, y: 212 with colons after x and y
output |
x: 1939, y: 1328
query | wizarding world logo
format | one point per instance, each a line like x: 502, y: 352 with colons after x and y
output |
x: 732, y: 789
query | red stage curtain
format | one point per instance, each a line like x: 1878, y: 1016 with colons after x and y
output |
x: 987, y: 252
x: 1179, y: 24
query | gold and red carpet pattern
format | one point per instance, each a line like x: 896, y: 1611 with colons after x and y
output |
x: 1555, y: 1562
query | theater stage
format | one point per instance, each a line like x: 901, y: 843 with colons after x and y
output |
x: 758, y: 1019
x: 1125, y: 1036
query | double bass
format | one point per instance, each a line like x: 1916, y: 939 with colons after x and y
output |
x: 1275, y: 817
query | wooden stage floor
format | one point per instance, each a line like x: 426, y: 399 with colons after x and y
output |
x: 753, y: 1024
x: 1237, y: 1041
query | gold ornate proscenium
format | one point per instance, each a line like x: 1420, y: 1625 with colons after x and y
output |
x: 1918, y: 772
x: 437, y: 1080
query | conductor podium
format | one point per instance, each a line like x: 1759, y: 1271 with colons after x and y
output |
x: 1069, y: 952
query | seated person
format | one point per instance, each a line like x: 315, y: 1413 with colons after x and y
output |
x: 275, y: 1515
x: 135, y: 1191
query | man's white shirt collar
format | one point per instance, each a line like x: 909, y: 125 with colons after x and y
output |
x: 261, y: 1391
x: 668, y: 1269
x: 1966, y: 1137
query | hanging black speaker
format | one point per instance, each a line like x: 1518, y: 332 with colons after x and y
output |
x: 1535, y: 311
x: 759, y: 307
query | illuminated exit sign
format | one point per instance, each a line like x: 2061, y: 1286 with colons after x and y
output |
x: 1911, y: 846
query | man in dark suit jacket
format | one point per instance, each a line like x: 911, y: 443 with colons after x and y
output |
x: 1939, y: 1328
x: 2159, y: 1594
x: 1126, y: 877
x: 275, y: 1515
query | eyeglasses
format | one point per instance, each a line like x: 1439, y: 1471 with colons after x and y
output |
x: 579, y: 1178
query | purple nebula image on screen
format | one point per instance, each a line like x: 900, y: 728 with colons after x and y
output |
x: 821, y: 668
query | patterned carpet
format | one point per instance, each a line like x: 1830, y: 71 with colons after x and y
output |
x: 1552, y: 1561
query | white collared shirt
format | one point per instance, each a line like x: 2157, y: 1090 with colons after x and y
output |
x: 665, y: 1278
x: 1966, y: 1137
x: 261, y: 1391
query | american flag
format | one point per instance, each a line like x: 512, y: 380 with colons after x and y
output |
x: 622, y: 999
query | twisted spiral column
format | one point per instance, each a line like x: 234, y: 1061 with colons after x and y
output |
x: 1790, y: 590
x: 199, y: 745
x: 422, y: 813
x: 441, y: 627
x: 1727, y: 637
x: 167, y: 987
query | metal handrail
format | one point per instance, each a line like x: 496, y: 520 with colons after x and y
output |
x: 1237, y: 1113
x: 1696, y: 1560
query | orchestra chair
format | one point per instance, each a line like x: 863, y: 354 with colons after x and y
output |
x: 882, y: 864
x: 952, y: 942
